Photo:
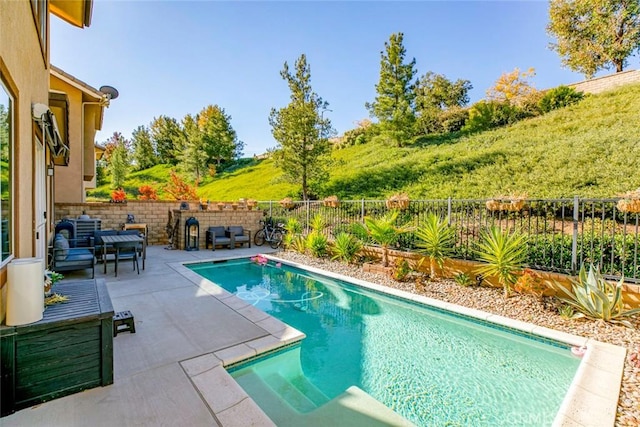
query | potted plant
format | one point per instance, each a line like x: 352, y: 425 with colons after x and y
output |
x: 286, y: 203
x: 331, y: 201
x: 50, y: 279
x: 398, y: 201
x: 251, y: 204
x: 630, y: 202
x: 510, y: 203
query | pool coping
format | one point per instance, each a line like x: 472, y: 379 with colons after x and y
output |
x: 592, y: 398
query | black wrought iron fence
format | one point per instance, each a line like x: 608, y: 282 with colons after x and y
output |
x: 562, y: 234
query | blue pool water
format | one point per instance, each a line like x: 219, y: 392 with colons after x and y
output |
x: 430, y: 366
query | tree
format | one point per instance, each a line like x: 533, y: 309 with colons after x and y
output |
x: 513, y: 88
x: 179, y: 189
x: 434, y: 94
x: 219, y: 139
x: 300, y: 129
x: 592, y: 35
x: 393, y: 105
x: 143, y: 154
x: 119, y: 163
x: 194, y: 157
x: 167, y: 138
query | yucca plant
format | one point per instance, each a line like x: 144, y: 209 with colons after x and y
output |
x: 595, y: 298
x: 293, y: 229
x: 345, y: 247
x: 317, y: 243
x: 317, y: 223
x: 463, y: 279
x: 384, y: 232
x: 435, y: 239
x: 504, y: 254
x: 299, y: 243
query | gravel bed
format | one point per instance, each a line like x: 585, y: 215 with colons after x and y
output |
x: 521, y: 307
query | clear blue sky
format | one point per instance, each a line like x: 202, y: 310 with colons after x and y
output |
x: 175, y: 57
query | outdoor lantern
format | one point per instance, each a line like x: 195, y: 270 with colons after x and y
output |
x: 191, y: 234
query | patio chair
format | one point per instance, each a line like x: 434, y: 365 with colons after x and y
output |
x: 127, y: 250
x: 239, y: 235
x: 216, y: 236
x: 67, y: 258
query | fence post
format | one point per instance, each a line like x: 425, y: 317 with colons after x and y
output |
x: 270, y: 208
x: 308, y: 203
x: 574, y: 243
x: 449, y: 211
x: 362, y: 211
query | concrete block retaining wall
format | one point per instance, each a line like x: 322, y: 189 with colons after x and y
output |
x: 156, y: 215
x: 604, y: 83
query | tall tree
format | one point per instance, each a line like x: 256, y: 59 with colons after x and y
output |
x: 592, y: 35
x: 167, y: 137
x: 218, y: 137
x: 300, y: 129
x: 118, y: 160
x: 393, y: 105
x: 143, y: 154
x: 194, y: 157
x: 435, y: 94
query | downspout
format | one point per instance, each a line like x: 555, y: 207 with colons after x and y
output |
x: 104, y: 102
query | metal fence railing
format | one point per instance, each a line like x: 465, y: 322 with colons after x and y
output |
x: 562, y: 234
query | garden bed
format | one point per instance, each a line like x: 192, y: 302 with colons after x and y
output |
x: 521, y: 307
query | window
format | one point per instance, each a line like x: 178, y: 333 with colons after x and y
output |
x: 39, y: 8
x: 6, y: 144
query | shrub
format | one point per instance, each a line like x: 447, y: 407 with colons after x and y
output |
x: 595, y: 298
x: 401, y: 270
x: 147, y: 192
x: 317, y: 244
x: 485, y: 115
x: 118, y: 196
x: 179, y: 189
x: 559, y: 97
x: 530, y: 282
x: 453, y: 119
x: 345, y: 247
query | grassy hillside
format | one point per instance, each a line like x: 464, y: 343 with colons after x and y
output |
x: 591, y: 149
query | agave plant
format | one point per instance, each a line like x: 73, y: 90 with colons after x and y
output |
x: 384, y: 232
x: 504, y: 254
x: 436, y: 240
x: 345, y: 247
x: 595, y: 298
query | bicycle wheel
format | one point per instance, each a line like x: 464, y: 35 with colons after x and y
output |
x: 259, y: 238
x: 276, y: 239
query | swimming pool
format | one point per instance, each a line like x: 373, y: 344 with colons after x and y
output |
x: 428, y: 365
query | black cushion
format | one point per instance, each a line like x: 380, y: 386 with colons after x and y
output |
x: 217, y: 231
x: 236, y: 230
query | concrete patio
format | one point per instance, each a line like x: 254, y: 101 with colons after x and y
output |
x: 177, y: 320
x: 172, y: 370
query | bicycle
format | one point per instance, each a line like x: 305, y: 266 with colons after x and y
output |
x: 269, y: 233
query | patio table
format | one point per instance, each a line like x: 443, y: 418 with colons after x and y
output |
x: 123, y: 240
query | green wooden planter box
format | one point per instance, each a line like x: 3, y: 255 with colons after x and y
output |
x: 69, y: 350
